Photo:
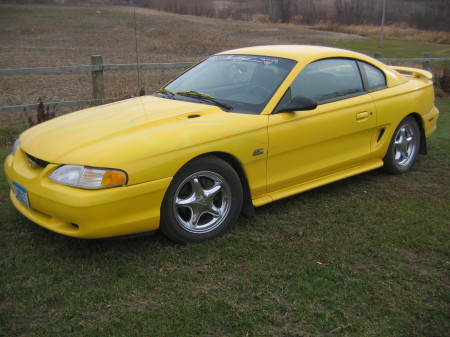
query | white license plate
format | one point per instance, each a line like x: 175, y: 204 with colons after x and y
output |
x: 21, y: 193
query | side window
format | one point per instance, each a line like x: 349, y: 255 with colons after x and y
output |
x: 374, y: 77
x: 328, y: 80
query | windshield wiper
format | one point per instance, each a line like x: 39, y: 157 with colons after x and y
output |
x: 204, y: 97
x: 166, y: 92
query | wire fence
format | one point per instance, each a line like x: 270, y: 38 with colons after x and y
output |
x: 97, y: 69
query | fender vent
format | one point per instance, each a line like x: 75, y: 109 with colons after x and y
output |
x: 380, y: 135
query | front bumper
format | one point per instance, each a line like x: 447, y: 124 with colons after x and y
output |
x: 85, y: 213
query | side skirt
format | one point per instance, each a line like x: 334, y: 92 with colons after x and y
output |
x: 287, y: 192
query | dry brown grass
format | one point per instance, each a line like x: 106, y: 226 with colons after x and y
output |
x: 396, y: 31
x: 34, y: 36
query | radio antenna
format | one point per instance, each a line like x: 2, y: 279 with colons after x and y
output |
x: 137, y: 52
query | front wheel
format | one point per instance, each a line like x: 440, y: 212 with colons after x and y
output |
x: 403, y: 148
x: 203, y: 201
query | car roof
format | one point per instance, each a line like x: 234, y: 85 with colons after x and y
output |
x: 295, y: 52
x: 305, y: 54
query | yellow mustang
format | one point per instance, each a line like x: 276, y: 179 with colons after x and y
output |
x: 239, y: 130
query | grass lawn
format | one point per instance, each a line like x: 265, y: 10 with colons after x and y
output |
x: 366, y: 256
x: 395, y: 48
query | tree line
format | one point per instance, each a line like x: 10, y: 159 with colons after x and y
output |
x: 422, y: 14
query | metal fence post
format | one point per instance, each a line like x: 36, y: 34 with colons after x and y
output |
x: 426, y: 64
x: 97, y: 80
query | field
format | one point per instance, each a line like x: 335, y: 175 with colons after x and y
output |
x: 35, y: 36
x: 366, y: 256
x: 57, y: 36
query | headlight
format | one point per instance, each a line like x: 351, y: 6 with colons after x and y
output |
x: 15, y: 146
x: 88, y: 177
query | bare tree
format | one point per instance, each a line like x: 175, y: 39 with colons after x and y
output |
x: 351, y: 12
x: 270, y: 9
x: 285, y: 8
x: 308, y: 12
x: 193, y: 7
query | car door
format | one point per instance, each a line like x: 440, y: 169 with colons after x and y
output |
x: 336, y: 136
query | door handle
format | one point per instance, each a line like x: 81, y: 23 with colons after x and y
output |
x: 362, y: 115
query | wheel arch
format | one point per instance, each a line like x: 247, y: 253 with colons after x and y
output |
x: 247, y: 206
x: 423, y: 140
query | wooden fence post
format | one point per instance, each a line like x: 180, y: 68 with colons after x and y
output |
x: 377, y: 56
x: 426, y: 64
x: 97, y: 80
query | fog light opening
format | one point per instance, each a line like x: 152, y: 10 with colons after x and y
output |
x: 75, y: 226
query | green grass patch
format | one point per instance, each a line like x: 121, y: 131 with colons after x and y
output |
x: 366, y: 256
x: 394, y: 48
x: 10, y: 132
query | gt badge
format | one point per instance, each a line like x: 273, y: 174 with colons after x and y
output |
x: 257, y: 152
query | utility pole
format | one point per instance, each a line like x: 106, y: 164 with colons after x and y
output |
x: 383, y: 15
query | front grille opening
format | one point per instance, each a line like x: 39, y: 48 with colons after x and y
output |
x: 39, y: 162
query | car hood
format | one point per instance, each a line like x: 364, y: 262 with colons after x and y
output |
x: 89, y: 136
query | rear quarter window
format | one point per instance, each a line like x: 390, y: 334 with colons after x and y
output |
x: 374, y: 77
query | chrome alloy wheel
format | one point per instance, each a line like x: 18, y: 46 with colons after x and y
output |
x: 202, y: 202
x: 405, y: 144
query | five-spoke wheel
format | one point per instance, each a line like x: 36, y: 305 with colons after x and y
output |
x: 202, y: 202
x: 404, y: 147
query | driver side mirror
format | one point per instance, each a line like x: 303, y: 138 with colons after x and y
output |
x: 298, y: 103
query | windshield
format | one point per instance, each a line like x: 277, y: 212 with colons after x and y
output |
x: 241, y: 83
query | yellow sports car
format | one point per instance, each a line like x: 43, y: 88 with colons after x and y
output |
x: 239, y: 130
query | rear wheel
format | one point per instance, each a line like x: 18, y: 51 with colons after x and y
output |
x: 203, y: 201
x: 403, y: 148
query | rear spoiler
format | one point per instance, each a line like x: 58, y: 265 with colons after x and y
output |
x: 414, y: 72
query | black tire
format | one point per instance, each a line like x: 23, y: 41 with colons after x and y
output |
x: 404, y: 147
x: 203, y: 201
